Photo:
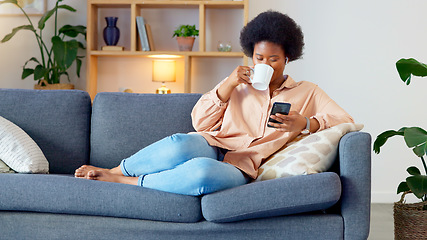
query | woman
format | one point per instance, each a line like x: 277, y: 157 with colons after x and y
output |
x: 232, y: 138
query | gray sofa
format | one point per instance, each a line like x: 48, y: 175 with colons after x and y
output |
x: 71, y: 132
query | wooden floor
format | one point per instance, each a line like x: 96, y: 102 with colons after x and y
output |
x: 382, y: 227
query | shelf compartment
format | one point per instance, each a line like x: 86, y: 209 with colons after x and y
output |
x: 151, y: 53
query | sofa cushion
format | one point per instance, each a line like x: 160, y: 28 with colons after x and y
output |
x: 123, y: 123
x: 57, y: 120
x: 19, y: 151
x: 309, y: 154
x: 275, y: 197
x: 69, y: 195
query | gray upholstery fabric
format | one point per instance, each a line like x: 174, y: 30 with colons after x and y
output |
x: 355, y: 172
x: 63, y: 207
x: 123, y: 123
x: 57, y: 120
x: 65, y: 194
x: 276, y: 197
x: 35, y: 226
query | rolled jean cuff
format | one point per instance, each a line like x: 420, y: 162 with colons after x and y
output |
x: 141, y: 180
x: 123, y: 169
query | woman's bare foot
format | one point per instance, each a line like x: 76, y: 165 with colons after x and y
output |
x: 82, y: 172
x: 106, y: 175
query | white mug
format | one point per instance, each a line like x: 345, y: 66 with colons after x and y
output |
x: 261, y: 76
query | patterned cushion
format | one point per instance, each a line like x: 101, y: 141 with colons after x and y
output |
x: 19, y: 151
x: 306, y: 154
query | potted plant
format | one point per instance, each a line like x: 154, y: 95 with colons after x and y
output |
x: 55, y: 58
x: 185, y: 35
x: 410, y: 219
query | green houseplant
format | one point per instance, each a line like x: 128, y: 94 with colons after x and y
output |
x: 410, y: 219
x: 185, y: 36
x: 57, y: 56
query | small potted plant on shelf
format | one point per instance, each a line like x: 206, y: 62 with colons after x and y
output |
x: 410, y: 219
x: 56, y: 59
x: 185, y: 36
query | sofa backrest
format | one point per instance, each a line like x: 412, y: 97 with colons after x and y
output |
x: 57, y: 120
x: 124, y: 123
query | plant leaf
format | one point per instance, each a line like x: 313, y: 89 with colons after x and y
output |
x: 72, y: 31
x: 9, y: 1
x: 15, y: 30
x: 32, y: 59
x: 65, y: 52
x: 67, y: 7
x: 418, y: 185
x: 78, y: 66
x: 39, y: 72
x: 26, y: 72
x: 409, y: 67
x: 48, y: 14
x: 403, y: 187
x: 420, y: 150
x: 45, y: 17
x: 383, y: 137
x: 413, y: 170
x: 415, y: 136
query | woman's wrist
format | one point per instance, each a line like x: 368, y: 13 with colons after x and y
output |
x: 314, y: 125
x: 225, y: 90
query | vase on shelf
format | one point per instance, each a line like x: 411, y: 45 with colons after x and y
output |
x: 111, y: 31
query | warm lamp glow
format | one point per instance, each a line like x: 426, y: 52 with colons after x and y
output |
x: 168, y: 56
x: 164, y: 71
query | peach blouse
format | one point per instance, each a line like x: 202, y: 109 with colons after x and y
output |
x: 240, y: 125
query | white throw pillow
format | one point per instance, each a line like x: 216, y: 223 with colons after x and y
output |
x: 4, y: 168
x: 19, y: 151
x: 308, y: 154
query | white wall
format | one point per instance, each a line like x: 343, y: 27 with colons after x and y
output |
x: 351, y: 48
x: 23, y: 46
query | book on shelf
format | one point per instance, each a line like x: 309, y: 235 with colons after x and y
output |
x: 150, y: 37
x: 143, y: 37
x: 112, y: 48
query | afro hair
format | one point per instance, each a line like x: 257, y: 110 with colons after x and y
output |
x: 273, y: 27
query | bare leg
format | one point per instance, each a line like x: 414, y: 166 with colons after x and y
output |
x: 106, y: 175
x: 82, y: 172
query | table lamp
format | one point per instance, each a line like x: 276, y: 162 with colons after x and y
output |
x: 164, y: 71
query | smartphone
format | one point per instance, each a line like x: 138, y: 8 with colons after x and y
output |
x: 279, y: 107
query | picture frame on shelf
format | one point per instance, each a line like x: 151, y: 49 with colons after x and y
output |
x: 31, y: 7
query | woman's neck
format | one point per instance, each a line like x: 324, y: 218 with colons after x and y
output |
x: 275, y: 84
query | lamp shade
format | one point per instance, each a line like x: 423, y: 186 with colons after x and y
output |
x: 164, y: 70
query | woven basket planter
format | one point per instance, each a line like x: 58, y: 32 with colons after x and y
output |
x: 43, y: 85
x: 410, y: 221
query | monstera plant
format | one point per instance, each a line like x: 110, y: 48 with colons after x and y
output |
x: 414, y: 137
x: 62, y: 51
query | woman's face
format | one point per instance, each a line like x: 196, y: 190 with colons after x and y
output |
x: 271, y: 54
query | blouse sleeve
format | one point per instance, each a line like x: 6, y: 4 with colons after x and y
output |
x: 207, y: 114
x: 328, y: 113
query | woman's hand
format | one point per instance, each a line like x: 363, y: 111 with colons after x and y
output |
x: 293, y: 122
x: 238, y: 76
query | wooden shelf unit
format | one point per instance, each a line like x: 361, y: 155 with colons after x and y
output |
x: 135, y: 7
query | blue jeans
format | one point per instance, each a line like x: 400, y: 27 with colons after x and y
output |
x: 183, y: 164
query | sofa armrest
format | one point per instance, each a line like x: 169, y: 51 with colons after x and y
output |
x: 355, y: 172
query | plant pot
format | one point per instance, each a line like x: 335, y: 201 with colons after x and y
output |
x: 410, y: 221
x: 43, y: 85
x: 185, y: 43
